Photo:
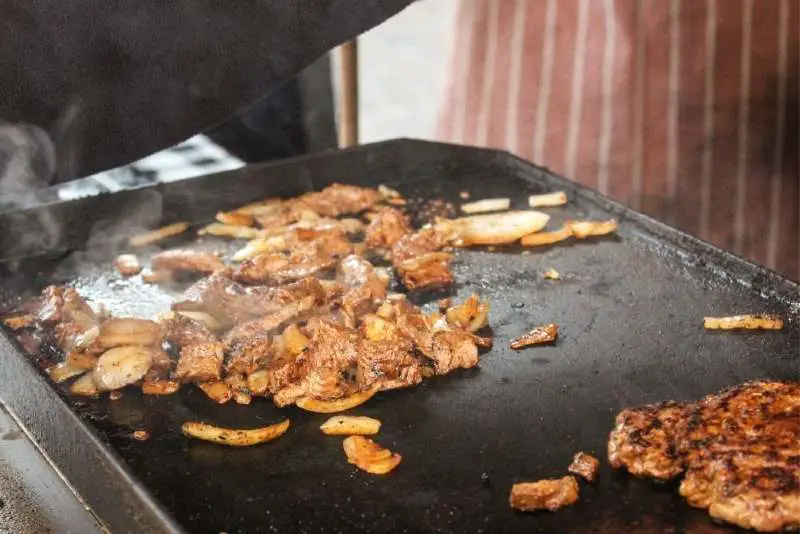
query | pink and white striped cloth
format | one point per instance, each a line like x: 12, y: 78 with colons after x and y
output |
x: 688, y: 110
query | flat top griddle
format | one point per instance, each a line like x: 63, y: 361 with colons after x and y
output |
x: 629, y: 309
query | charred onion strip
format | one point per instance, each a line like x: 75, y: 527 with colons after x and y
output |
x: 232, y: 437
x: 148, y: 238
x: 744, y: 322
x: 235, y: 218
x: 558, y: 198
x: 486, y: 205
x: 230, y: 230
x: 369, y: 456
x: 347, y: 425
x: 539, y: 335
x: 160, y: 387
x: 337, y: 405
x: 546, y: 238
x: 584, y: 229
x: 493, y: 228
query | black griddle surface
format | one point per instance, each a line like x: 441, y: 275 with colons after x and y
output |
x: 629, y: 310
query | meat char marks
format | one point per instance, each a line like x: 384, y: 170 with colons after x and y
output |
x: 739, y: 450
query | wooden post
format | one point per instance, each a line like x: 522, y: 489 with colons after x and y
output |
x: 348, y: 98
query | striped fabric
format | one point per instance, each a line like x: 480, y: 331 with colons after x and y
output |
x: 688, y: 110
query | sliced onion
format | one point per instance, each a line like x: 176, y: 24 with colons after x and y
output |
x: 492, y: 229
x: 486, y: 205
x: 203, y: 318
x: 546, y: 238
x: 122, y: 366
x: 128, y: 264
x: 559, y: 198
x: 584, y: 229
x: 744, y: 322
x: 85, y: 386
x: 129, y: 331
x: 85, y: 340
x: 147, y: 238
x: 230, y: 230
x: 235, y: 218
x: 63, y: 371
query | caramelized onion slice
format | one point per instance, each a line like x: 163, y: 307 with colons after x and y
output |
x: 230, y: 230
x: 61, y: 372
x: 546, y: 238
x: 122, y: 366
x: 233, y: 437
x: 744, y: 322
x: 160, y: 387
x: 84, y: 386
x: 557, y: 198
x: 539, y: 335
x: 492, y: 229
x: 348, y: 425
x: 486, y: 205
x: 148, y: 238
x: 338, y: 405
x: 584, y: 229
x: 129, y: 331
x: 235, y: 218
x: 369, y: 456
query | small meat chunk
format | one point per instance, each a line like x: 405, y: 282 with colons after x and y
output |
x: 64, y: 304
x: 387, y: 365
x: 249, y: 354
x: 293, y: 311
x: 184, y: 260
x: 584, y: 465
x: 364, y: 289
x: 183, y: 331
x: 339, y: 199
x: 201, y: 362
x: 306, y: 259
x: 418, y: 259
x: 453, y: 350
x: 549, y: 494
x: 128, y: 265
x: 386, y: 229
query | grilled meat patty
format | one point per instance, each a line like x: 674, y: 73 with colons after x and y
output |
x: 739, y: 450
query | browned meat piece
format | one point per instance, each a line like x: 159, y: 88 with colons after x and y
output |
x: 249, y: 354
x: 386, y: 229
x: 200, y: 363
x: 740, y: 449
x: 180, y: 260
x: 306, y: 259
x: 387, y: 364
x: 339, y: 199
x: 231, y: 303
x: 60, y: 304
x: 183, y: 331
x: 321, y: 370
x: 413, y: 325
x: 584, y: 465
x: 644, y: 440
x: 294, y: 311
x: 427, y: 271
x: 127, y: 264
x: 539, y: 335
x: 363, y: 288
x: 549, y: 494
x: 277, y: 374
x: 418, y: 260
x: 453, y: 350
x: 423, y: 241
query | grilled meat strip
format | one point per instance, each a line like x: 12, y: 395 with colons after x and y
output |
x: 306, y: 259
x: 418, y: 260
x: 739, y: 449
x: 339, y: 199
x: 363, y: 288
x: 386, y: 229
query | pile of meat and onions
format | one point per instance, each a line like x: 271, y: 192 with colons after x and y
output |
x: 300, y: 314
